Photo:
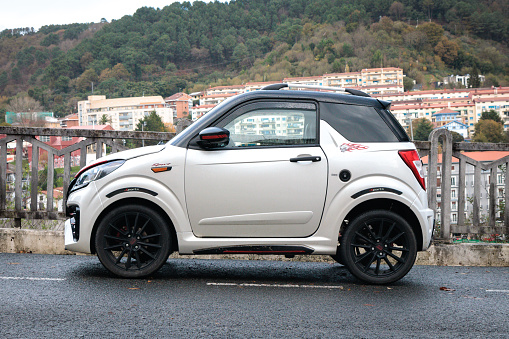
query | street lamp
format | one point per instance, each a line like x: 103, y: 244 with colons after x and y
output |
x: 143, y: 140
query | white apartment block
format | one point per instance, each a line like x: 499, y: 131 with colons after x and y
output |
x: 256, y: 86
x: 313, y: 81
x: 198, y: 111
x: 470, y: 103
x: 123, y: 113
x: 214, y: 99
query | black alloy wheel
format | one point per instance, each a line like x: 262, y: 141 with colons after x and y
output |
x: 379, y: 247
x: 133, y: 241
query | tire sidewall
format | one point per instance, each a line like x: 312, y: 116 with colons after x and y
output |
x: 348, y: 236
x: 105, y: 258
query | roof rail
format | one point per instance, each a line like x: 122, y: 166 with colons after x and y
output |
x: 276, y: 87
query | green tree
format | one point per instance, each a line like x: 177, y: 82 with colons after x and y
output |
x: 104, y: 119
x: 51, y: 39
x: 491, y: 115
x: 408, y: 84
x: 422, y: 129
x: 474, y: 81
x: 487, y: 130
x: 43, y: 178
x: 239, y: 54
x: 151, y: 122
x: 456, y: 137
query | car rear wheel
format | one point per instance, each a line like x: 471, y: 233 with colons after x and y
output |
x: 133, y: 241
x: 379, y: 247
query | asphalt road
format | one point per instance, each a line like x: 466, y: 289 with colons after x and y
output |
x: 53, y: 296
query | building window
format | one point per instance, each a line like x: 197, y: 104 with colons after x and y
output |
x: 453, y: 194
x: 44, y: 138
x: 454, y: 217
x: 453, y: 181
x: 66, y: 138
x: 454, y: 206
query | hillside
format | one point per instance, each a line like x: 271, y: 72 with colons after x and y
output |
x: 188, y: 46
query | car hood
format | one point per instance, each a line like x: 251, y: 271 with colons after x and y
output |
x: 132, y: 153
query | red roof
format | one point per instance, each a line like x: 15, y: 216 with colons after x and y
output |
x: 95, y: 127
x: 479, y: 156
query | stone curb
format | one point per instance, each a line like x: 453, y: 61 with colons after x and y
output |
x: 479, y: 254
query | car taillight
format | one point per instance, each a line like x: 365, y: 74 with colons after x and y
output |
x: 411, y: 158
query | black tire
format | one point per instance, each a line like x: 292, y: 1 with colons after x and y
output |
x: 379, y: 247
x: 133, y: 241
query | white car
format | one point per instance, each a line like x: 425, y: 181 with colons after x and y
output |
x: 267, y: 172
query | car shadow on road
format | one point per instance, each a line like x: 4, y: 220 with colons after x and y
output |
x: 238, y: 271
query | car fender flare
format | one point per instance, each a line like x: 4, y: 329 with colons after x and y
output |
x: 365, y: 189
x: 146, y: 188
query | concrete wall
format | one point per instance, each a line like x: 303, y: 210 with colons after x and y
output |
x: 52, y: 242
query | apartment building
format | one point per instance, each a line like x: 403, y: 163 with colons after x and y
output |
x: 256, y: 86
x: 198, y: 111
x: 470, y: 103
x: 122, y: 113
x: 311, y: 81
x: 234, y: 89
x: 179, y: 103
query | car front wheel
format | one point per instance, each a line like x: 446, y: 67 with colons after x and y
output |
x: 379, y: 247
x: 133, y: 241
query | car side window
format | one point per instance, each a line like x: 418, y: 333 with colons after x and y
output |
x: 273, y: 125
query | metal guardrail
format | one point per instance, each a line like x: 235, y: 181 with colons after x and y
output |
x: 440, y: 202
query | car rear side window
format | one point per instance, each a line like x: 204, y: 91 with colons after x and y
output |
x: 357, y: 123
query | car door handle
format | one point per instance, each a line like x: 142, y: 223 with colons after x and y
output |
x: 312, y: 159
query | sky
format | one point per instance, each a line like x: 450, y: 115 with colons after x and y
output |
x: 37, y: 13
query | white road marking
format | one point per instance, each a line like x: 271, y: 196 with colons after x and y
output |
x: 499, y: 291
x: 31, y: 278
x: 275, y: 285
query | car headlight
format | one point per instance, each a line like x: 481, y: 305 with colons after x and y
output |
x: 94, y: 172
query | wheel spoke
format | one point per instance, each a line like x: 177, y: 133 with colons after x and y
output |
x: 121, y: 256
x: 118, y: 230
x: 389, y: 263
x: 113, y: 238
x: 377, y: 269
x: 135, y: 223
x: 150, y: 236
x: 140, y: 231
x: 395, y: 238
x: 113, y: 246
x: 370, y: 262
x: 362, y: 246
x: 147, y: 253
x: 399, y: 249
x: 401, y: 260
x: 384, y: 239
x: 380, y: 231
x: 148, y: 244
x: 138, y: 261
x: 364, y: 237
x: 127, y: 223
x: 362, y: 256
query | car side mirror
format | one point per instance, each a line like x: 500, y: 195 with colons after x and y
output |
x: 214, y: 137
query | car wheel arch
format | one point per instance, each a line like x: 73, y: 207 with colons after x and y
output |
x: 139, y: 201
x: 386, y: 204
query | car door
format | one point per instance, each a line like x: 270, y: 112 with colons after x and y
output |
x: 269, y: 181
